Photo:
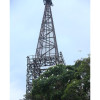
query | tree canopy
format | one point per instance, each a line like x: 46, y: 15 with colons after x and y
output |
x: 60, y: 82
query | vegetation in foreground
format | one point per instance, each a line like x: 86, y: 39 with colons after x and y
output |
x: 71, y: 82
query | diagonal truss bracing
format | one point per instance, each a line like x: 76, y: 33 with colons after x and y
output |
x: 46, y: 52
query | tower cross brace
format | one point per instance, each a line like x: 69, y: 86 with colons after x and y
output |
x: 47, y: 54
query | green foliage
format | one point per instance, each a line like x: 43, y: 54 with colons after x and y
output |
x: 28, y: 96
x: 79, y: 87
x: 62, y: 82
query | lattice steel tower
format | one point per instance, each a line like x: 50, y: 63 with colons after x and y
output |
x: 46, y: 52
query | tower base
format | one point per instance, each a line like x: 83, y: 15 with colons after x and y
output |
x: 36, y: 66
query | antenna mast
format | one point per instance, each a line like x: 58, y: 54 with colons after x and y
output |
x: 46, y: 52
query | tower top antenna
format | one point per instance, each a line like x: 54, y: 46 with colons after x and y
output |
x: 48, y: 2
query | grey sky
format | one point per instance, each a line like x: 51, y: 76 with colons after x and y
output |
x: 72, y: 26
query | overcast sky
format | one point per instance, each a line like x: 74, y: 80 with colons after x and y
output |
x: 72, y: 27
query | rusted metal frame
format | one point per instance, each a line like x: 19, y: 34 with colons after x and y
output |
x: 56, y: 50
x: 48, y: 41
x: 46, y: 31
x: 40, y: 30
x: 48, y: 26
x: 49, y: 61
x: 43, y: 25
x: 47, y: 51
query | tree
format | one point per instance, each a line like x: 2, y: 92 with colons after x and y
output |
x: 60, y: 82
x: 79, y: 88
